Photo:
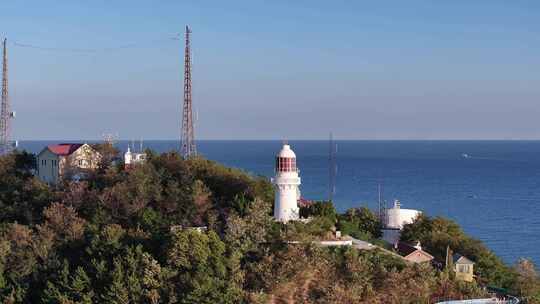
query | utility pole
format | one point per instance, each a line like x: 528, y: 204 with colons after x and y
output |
x: 5, y: 114
x: 381, y: 201
x: 332, y: 168
x: 188, y: 147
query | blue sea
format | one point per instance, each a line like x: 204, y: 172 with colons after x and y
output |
x: 493, y: 193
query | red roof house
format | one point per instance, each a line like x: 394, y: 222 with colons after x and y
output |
x: 70, y: 160
x: 413, y: 254
x: 63, y: 149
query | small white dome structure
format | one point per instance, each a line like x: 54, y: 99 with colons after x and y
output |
x: 287, y: 184
x: 286, y: 152
x: 395, y: 219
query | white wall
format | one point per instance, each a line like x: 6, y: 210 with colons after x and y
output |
x: 397, y: 217
x: 47, y: 165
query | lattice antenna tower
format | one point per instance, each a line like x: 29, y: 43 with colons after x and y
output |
x: 188, y: 148
x: 332, y: 168
x: 381, y: 202
x: 110, y: 138
x: 5, y: 114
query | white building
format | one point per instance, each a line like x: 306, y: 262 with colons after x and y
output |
x: 395, y: 219
x: 133, y: 158
x: 287, y: 184
x: 70, y: 160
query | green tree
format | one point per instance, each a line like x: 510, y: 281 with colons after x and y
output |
x: 320, y: 209
x: 64, y: 222
x: 527, y: 282
x: 22, y: 196
x: 202, y: 268
x: 249, y: 232
x: 108, y: 153
x: 66, y: 287
x: 360, y: 223
x: 228, y: 185
x: 136, y: 278
x: 436, y: 234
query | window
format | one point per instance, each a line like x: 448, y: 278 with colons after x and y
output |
x: 463, y: 268
x: 285, y: 164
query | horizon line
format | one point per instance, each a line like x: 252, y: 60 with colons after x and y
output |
x: 314, y: 139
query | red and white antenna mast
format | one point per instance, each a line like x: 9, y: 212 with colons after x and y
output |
x: 188, y: 147
x: 5, y: 114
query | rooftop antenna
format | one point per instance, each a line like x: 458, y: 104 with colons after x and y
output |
x: 110, y: 138
x: 187, y: 148
x: 332, y: 168
x: 5, y: 114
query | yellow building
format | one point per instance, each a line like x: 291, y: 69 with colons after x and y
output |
x: 463, y: 268
x: 72, y: 161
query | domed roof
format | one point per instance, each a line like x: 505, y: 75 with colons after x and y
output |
x: 286, y: 152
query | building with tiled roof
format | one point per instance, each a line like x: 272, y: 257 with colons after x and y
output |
x: 71, y: 160
x: 463, y: 268
x: 413, y: 254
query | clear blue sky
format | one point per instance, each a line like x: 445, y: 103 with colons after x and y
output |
x: 457, y: 69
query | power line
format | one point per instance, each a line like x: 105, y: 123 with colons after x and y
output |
x: 141, y: 44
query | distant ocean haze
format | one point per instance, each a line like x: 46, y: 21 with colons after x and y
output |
x: 491, y: 188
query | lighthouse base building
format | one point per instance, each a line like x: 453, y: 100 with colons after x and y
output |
x: 395, y: 219
x: 286, y: 183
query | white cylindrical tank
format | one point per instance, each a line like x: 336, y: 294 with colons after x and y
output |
x: 396, y: 217
x: 287, y: 184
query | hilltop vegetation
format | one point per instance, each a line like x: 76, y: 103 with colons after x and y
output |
x: 436, y: 234
x: 121, y: 237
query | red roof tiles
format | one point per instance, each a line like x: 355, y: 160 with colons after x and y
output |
x: 64, y: 149
x: 405, y: 250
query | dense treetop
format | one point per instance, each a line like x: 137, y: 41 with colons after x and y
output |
x: 123, y: 236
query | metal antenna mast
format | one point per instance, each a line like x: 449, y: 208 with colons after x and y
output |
x: 5, y: 115
x: 382, y: 204
x: 188, y: 148
x: 332, y: 168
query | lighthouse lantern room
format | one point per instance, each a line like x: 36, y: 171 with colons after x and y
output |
x: 287, y: 184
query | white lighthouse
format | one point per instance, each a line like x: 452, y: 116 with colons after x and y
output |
x: 287, y: 184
